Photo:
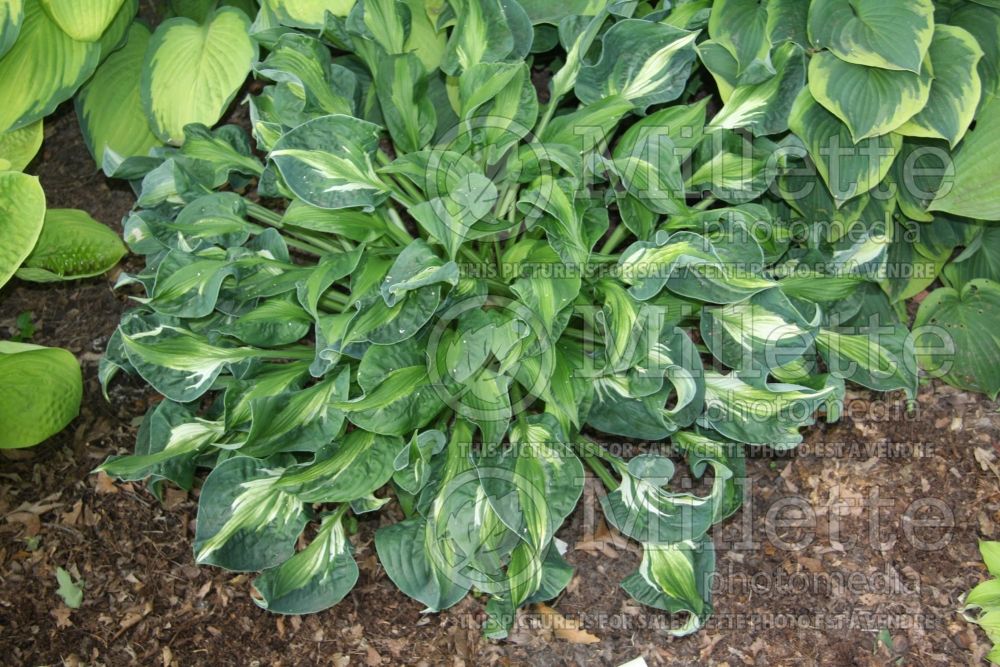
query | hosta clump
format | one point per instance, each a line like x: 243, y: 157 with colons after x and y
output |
x: 431, y: 284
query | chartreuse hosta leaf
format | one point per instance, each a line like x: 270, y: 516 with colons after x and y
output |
x: 22, y: 212
x: 957, y: 335
x: 192, y: 72
x: 83, y: 20
x: 870, y: 101
x: 110, y: 107
x: 972, y: 193
x: 308, y: 13
x: 889, y: 34
x: 955, y: 90
x: 40, y: 392
x: 72, y: 245
x: 982, y: 604
x: 19, y: 147
x: 11, y: 16
x: 644, y: 62
x: 43, y: 68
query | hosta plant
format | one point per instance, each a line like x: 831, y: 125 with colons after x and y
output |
x: 982, y: 604
x: 471, y: 245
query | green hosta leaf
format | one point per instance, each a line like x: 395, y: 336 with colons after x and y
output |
x: 19, y: 147
x: 980, y: 259
x: 315, y: 578
x: 764, y: 107
x: 849, y: 169
x: 72, y: 245
x: 870, y: 101
x: 974, y: 193
x: 762, y: 415
x: 643, y: 62
x: 878, y: 360
x: 955, y: 90
x: 109, y: 106
x: 83, y: 20
x: 308, y: 13
x: 245, y: 522
x: 958, y: 336
x: 890, y: 34
x: 740, y: 26
x: 984, y: 24
x: 328, y: 162
x: 40, y: 392
x: 43, y: 68
x: 787, y: 20
x: 359, y: 464
x: 22, y: 212
x: 11, y: 17
x: 677, y: 579
x: 408, y: 111
x: 192, y: 72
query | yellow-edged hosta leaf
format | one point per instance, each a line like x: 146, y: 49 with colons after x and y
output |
x: 22, y: 211
x: 871, y: 101
x: 192, y: 72
x: 307, y: 13
x: 83, y: 20
x: 43, y: 68
x: 955, y: 90
x: 19, y: 147
x: 975, y: 191
x: 110, y: 107
x: 114, y: 35
x: 11, y: 16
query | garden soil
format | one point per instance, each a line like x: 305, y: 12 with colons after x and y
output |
x: 854, y: 551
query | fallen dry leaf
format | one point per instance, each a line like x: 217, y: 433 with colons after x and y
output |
x: 62, y: 614
x: 104, y: 483
x: 564, y: 628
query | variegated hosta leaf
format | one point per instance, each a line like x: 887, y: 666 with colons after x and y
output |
x: 766, y: 331
x: 328, y: 162
x: 42, y: 69
x: 880, y: 360
x: 402, y: 92
x: 305, y: 63
x: 740, y: 27
x: 192, y: 72
x: 22, y: 212
x: 246, y: 522
x: 760, y: 413
x: 955, y: 90
x: 849, y: 169
x: 315, y: 578
x: 764, y: 107
x: 676, y: 578
x: 972, y: 193
x: 72, y: 245
x: 484, y: 33
x: 412, y: 464
x: 645, y: 510
x: 703, y: 451
x: 416, y: 266
x: 308, y: 13
x: 889, y: 34
x: 83, y: 20
x: 690, y: 265
x: 19, y: 147
x: 870, y: 101
x: 642, y: 61
x: 11, y: 17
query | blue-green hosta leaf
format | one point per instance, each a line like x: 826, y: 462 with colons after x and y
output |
x: 721, y: 65
x: 651, y: 171
x: 353, y: 225
x: 304, y: 63
x: 403, y: 552
x: 19, y: 147
x: 275, y: 322
x: 545, y: 291
x: 72, y: 245
x: 973, y: 192
x: 482, y: 34
x: 983, y: 23
x: 309, y: 14
x: 416, y: 266
x: 42, y: 69
x: 169, y: 440
x: 109, y: 107
x: 268, y: 381
x: 849, y: 169
x: 676, y: 578
x: 955, y: 90
x: 889, y: 34
x: 870, y: 101
x: 40, y: 392
x: 764, y: 107
x: 352, y: 468
x: 412, y: 465
x: 551, y: 203
x: 702, y: 451
x: 315, y: 578
x: 769, y: 414
x: 11, y: 17
x: 958, y: 336
x: 670, y: 260
x: 188, y: 285
x: 328, y: 162
x: 787, y: 21
x: 192, y: 72
x: 644, y: 62
x: 245, y: 521
x: 407, y: 110
x: 498, y: 106
x: 879, y: 360
x: 740, y: 26
x: 980, y: 259
x: 22, y: 213
x: 766, y: 331
x: 645, y: 510
x: 83, y: 20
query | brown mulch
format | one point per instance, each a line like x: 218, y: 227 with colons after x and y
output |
x: 856, y: 550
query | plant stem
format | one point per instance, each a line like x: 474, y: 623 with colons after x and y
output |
x: 704, y: 203
x: 617, y: 236
x: 397, y: 229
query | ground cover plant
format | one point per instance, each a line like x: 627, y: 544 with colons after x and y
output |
x: 430, y: 282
